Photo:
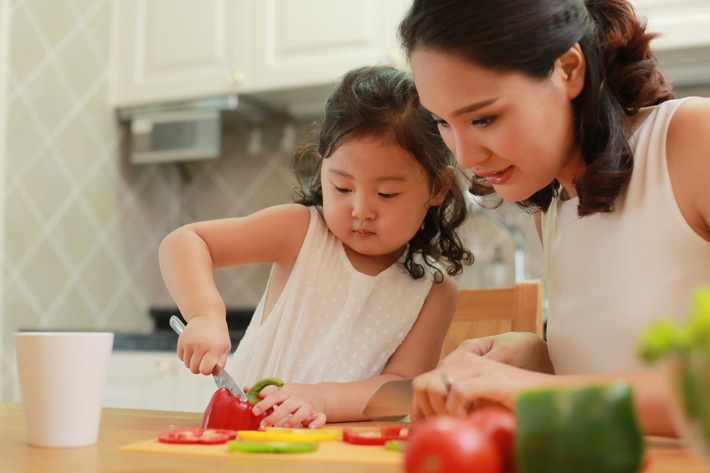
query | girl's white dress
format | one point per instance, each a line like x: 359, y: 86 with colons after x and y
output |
x: 331, y: 323
x: 610, y: 275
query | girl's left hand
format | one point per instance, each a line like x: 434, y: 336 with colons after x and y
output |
x: 292, y: 402
x: 467, y: 380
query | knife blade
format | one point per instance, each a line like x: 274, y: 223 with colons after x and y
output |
x: 392, y: 399
x: 221, y: 377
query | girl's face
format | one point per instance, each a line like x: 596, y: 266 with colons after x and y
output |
x: 375, y: 196
x: 513, y: 130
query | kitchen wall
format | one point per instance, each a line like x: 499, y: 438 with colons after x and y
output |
x: 82, y: 225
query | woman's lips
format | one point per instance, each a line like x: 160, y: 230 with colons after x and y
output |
x: 496, y: 177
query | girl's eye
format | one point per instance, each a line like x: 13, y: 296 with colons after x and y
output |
x: 387, y: 196
x: 482, y: 122
x: 342, y: 190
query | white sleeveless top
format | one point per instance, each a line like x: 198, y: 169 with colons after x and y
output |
x: 610, y: 275
x: 331, y: 323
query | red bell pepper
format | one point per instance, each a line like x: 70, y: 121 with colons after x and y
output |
x: 227, y: 411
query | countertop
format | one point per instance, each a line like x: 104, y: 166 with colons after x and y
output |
x: 120, y: 427
x: 158, y: 340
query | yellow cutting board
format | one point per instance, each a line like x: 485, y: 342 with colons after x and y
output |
x: 334, y: 451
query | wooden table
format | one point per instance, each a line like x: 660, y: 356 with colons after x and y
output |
x: 124, y: 426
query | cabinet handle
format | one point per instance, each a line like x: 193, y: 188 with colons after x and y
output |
x: 235, y: 77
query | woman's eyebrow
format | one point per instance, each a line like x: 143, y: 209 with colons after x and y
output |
x: 474, y: 106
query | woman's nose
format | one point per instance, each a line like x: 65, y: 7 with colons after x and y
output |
x: 468, y: 152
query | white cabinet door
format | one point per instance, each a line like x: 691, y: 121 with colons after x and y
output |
x: 301, y: 43
x: 681, y: 23
x: 155, y: 380
x: 171, y: 50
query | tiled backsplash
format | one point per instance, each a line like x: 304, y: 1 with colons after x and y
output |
x: 84, y: 225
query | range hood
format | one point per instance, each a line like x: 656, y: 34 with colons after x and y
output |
x: 185, y: 131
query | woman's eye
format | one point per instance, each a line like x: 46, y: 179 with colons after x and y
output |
x: 482, y: 122
x: 440, y: 123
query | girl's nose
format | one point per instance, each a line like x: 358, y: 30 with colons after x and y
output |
x: 362, y: 208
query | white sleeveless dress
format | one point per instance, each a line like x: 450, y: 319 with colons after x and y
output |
x: 331, y: 323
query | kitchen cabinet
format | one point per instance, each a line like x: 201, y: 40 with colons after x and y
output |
x: 155, y: 380
x: 181, y: 50
x: 683, y: 46
x: 681, y: 23
x: 172, y: 50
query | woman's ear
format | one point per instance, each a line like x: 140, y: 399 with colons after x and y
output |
x: 446, y: 181
x: 572, y: 67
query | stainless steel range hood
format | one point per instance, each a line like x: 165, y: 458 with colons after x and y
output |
x: 184, y: 131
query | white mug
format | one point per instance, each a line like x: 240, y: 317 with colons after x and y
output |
x: 62, y: 379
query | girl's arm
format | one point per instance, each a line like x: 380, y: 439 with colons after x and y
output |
x: 340, y: 402
x: 189, y: 255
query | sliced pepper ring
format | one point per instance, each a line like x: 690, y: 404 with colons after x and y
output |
x: 201, y: 436
x: 371, y: 437
x: 283, y: 434
x: 271, y: 447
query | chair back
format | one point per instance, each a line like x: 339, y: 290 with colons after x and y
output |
x: 484, y: 312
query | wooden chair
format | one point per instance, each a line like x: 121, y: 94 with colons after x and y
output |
x: 483, y: 312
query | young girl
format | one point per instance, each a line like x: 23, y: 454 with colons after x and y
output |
x: 558, y: 105
x: 356, y: 295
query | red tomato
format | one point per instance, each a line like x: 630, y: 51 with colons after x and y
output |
x: 445, y: 444
x: 204, y: 436
x: 499, y: 425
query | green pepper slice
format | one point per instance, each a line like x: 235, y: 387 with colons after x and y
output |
x: 249, y: 446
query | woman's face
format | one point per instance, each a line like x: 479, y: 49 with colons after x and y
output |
x: 513, y: 130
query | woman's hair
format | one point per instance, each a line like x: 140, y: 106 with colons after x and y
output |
x: 527, y: 36
x: 381, y: 102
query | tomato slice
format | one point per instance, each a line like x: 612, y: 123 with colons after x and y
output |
x: 203, y: 436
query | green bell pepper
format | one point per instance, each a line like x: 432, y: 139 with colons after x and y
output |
x: 586, y: 430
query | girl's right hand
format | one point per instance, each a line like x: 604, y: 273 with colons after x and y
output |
x: 204, y: 343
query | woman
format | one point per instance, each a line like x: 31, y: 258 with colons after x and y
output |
x: 559, y: 106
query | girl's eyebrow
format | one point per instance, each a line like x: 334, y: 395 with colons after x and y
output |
x: 340, y: 172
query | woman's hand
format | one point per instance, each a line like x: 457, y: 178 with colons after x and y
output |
x: 292, y: 402
x: 520, y: 349
x: 204, y: 343
x: 465, y: 380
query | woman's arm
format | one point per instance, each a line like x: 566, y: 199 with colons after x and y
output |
x: 189, y: 256
x: 340, y: 402
x: 688, y: 154
x: 478, y: 380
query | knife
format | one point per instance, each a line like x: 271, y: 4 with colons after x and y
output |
x: 221, y: 377
x: 392, y: 399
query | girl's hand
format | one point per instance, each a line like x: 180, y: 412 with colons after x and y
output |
x: 292, y: 402
x: 466, y: 380
x: 519, y: 349
x: 204, y: 343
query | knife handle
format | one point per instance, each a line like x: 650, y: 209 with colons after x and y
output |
x: 177, y: 324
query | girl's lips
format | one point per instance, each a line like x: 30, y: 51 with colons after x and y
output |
x: 496, y: 177
x: 363, y: 233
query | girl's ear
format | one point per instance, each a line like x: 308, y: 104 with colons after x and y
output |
x: 572, y: 67
x: 447, y: 180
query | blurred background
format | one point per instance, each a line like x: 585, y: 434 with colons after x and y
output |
x: 122, y: 120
